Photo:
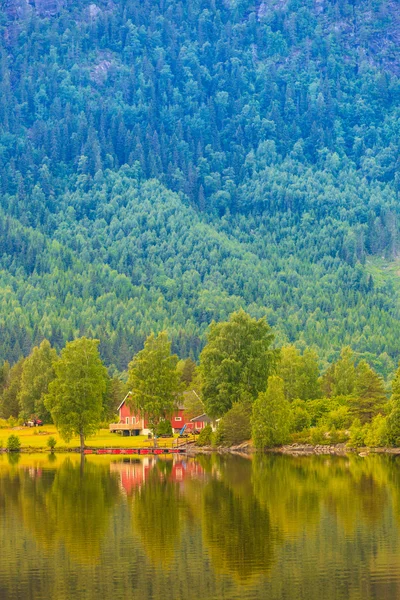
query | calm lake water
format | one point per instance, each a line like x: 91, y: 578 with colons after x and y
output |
x: 268, y: 528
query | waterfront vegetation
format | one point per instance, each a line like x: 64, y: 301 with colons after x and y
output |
x: 245, y: 383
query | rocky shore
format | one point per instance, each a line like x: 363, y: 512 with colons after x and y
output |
x: 294, y: 450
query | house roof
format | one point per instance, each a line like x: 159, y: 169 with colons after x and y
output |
x: 204, y: 418
x: 179, y: 407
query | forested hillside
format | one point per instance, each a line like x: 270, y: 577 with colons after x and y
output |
x: 163, y: 163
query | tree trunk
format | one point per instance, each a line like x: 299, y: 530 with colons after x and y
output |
x: 82, y: 438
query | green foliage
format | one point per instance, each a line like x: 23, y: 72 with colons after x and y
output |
x: 395, y: 397
x: 236, y: 362
x: 205, y: 436
x: 187, y: 371
x: 369, y: 393
x: 300, y: 418
x: 318, y: 435
x: 276, y: 191
x: 9, y: 405
x: 154, y: 380
x: 357, y: 434
x: 234, y: 427
x: 13, y: 443
x: 51, y: 443
x: 164, y: 427
x: 393, y: 427
x: 317, y: 409
x: 75, y: 397
x: 340, y: 378
x: 378, y: 432
x: 300, y: 373
x: 37, y: 373
x: 338, y: 418
x: 270, y: 421
x: 193, y: 404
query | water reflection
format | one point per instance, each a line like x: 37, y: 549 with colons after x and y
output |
x: 212, y: 527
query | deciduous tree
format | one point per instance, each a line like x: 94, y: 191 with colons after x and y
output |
x: 271, y: 419
x: 75, y: 397
x: 236, y: 362
x: 154, y: 380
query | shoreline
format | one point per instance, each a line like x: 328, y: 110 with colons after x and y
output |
x: 296, y: 450
x: 244, y: 449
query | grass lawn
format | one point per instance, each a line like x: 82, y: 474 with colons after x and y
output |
x: 36, y: 438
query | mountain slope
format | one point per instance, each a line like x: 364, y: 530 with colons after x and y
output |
x: 163, y: 163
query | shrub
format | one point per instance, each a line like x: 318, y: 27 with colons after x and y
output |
x: 339, y: 418
x: 205, y: 436
x: 234, y: 427
x: 393, y: 427
x: 51, y: 443
x: 357, y: 434
x: 318, y: 409
x: 376, y: 433
x: 164, y: 428
x: 13, y: 443
x: 271, y: 419
x: 300, y: 418
x: 317, y: 435
x: 217, y: 437
x: 12, y: 422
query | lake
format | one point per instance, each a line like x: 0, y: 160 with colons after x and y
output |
x: 212, y: 527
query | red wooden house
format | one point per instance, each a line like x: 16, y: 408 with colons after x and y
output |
x: 131, y: 423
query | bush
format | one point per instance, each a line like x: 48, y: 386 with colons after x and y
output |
x: 357, y: 434
x: 337, y: 436
x: 205, y: 436
x: 318, y: 409
x: 13, y: 443
x: 51, y: 443
x: 393, y: 427
x: 376, y: 433
x: 164, y: 428
x: 317, y: 435
x: 234, y: 427
x: 338, y: 418
x: 217, y: 438
x: 300, y: 418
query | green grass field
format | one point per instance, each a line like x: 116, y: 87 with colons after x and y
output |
x: 36, y: 439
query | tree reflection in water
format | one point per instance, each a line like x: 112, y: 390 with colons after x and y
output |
x: 248, y: 528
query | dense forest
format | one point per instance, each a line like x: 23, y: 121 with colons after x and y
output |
x: 163, y: 163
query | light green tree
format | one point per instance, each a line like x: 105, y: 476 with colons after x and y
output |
x: 75, y: 397
x: 154, y: 381
x: 344, y: 374
x: 271, y: 418
x: 393, y: 420
x: 300, y: 373
x: 37, y: 373
x: 236, y: 362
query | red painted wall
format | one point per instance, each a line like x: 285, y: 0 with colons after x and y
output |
x: 178, y: 419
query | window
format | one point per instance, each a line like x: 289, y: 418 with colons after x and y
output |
x: 133, y: 420
x: 178, y: 418
x: 127, y: 420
